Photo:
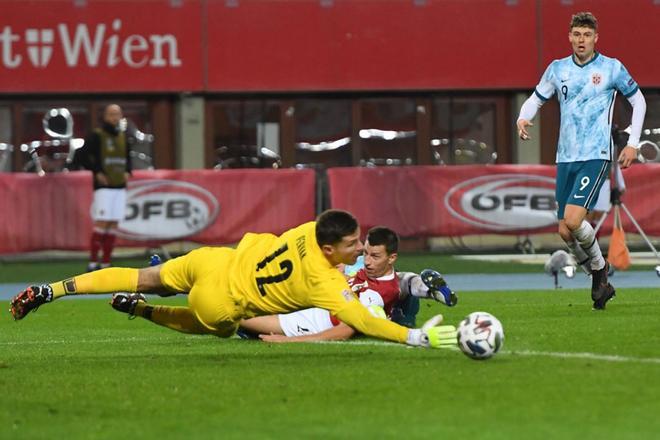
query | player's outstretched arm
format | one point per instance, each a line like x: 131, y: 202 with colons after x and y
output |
x: 628, y: 156
x: 629, y: 153
x: 339, y: 332
x: 527, y: 113
x: 263, y: 325
x: 522, y: 125
x: 430, y: 335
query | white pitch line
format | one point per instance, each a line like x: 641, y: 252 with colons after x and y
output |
x: 526, y: 353
x: 590, y: 356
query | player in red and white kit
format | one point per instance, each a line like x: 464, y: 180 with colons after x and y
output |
x: 377, y: 285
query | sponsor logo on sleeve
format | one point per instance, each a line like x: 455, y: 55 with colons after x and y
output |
x: 348, y: 296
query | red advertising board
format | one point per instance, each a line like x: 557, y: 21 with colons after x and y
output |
x: 466, y: 200
x: 203, y: 206
x: 366, y: 44
x: 312, y: 45
x: 103, y: 46
x: 218, y: 207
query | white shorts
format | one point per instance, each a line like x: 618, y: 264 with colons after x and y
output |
x: 109, y: 204
x: 305, y: 322
x: 603, y: 202
x: 315, y: 320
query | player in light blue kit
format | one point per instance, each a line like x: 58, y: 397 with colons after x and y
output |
x: 586, y: 84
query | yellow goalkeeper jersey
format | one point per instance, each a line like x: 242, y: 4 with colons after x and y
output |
x: 271, y: 275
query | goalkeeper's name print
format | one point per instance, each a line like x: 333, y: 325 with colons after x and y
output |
x: 167, y: 209
x: 502, y: 202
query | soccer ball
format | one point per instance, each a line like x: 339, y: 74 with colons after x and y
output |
x: 480, y: 335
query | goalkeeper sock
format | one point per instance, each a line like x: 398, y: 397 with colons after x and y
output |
x: 580, y: 255
x: 181, y: 319
x: 586, y: 236
x: 115, y: 279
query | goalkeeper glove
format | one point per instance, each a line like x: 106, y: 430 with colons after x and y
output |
x: 433, y: 335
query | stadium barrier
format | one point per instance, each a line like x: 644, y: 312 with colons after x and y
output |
x: 218, y: 207
x: 203, y: 206
x: 451, y: 201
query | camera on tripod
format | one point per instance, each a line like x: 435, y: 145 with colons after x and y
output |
x: 620, y: 139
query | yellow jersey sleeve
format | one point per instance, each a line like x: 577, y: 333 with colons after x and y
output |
x: 357, y: 316
x: 335, y: 295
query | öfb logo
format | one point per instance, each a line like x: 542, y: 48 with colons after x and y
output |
x: 167, y: 210
x: 502, y: 202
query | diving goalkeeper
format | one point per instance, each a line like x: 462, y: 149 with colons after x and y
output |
x: 264, y: 275
x: 378, y: 286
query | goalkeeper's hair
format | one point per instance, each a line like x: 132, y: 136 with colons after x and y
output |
x: 333, y: 225
x: 584, y: 19
x: 380, y: 235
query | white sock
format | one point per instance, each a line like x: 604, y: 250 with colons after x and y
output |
x: 580, y: 256
x: 411, y: 284
x: 586, y: 237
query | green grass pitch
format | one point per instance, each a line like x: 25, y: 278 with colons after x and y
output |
x: 76, y: 369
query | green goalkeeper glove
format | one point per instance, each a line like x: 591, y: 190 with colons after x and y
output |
x: 433, y: 335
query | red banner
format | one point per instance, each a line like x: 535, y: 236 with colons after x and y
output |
x: 465, y: 200
x: 108, y: 46
x: 203, y: 206
x: 357, y: 45
x: 334, y: 45
x: 217, y: 207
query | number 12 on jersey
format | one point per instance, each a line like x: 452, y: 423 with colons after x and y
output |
x: 285, y: 265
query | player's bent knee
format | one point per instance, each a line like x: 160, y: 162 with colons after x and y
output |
x: 572, y: 223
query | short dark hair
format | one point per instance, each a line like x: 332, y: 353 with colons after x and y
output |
x: 584, y: 19
x: 333, y: 225
x: 380, y: 235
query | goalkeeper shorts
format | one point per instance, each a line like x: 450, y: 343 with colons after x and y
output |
x: 203, y: 273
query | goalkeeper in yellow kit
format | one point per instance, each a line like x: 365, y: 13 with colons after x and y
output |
x: 264, y: 275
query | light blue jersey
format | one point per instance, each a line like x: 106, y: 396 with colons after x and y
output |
x: 586, y: 97
x: 351, y: 270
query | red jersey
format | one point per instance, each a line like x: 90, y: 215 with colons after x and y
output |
x: 386, y: 286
